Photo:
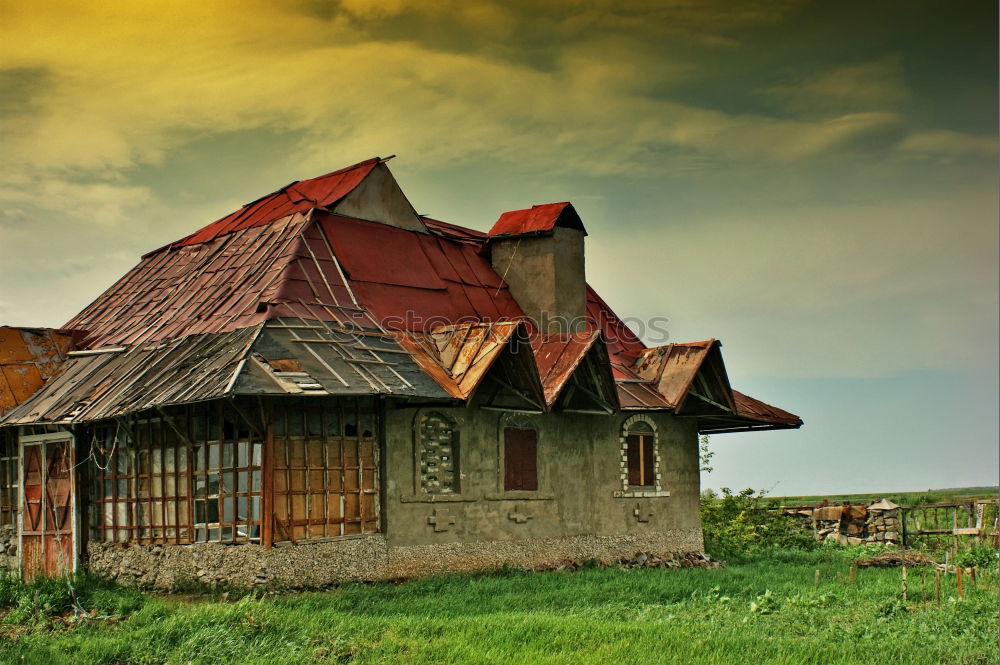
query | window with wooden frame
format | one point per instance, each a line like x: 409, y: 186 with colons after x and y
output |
x: 640, y: 455
x: 9, y: 477
x: 640, y: 470
x: 437, y: 455
x: 325, y: 468
x: 194, y: 476
x: 520, y: 458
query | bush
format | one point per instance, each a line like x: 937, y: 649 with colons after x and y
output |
x: 744, y: 523
x: 980, y: 556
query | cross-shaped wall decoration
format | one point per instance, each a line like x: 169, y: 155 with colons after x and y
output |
x: 441, y: 520
x: 518, y: 517
x: 642, y: 515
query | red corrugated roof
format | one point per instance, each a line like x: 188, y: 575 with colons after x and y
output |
x: 537, y: 219
x: 299, y: 196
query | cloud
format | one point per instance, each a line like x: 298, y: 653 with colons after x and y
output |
x: 850, y: 290
x: 948, y: 144
x: 107, y: 109
x: 861, y: 87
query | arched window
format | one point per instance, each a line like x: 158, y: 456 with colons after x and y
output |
x: 437, y: 436
x: 640, y: 455
x: 640, y: 458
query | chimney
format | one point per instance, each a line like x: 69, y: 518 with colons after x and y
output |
x: 538, y: 253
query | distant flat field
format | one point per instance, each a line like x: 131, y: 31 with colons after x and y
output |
x: 768, y: 611
x: 902, y: 498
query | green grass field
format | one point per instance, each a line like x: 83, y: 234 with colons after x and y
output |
x: 766, y: 610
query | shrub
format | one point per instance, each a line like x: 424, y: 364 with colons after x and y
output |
x: 981, y: 556
x: 746, y: 522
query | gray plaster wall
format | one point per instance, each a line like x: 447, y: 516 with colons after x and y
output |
x: 546, y: 274
x: 579, y: 482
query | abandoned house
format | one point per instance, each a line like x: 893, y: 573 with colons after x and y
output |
x: 327, y: 386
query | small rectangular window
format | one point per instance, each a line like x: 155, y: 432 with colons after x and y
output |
x: 520, y: 450
x: 641, y: 460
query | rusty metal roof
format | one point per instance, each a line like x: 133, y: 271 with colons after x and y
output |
x: 432, y: 295
x: 296, y: 197
x: 537, y: 219
x: 283, y: 356
x: 28, y: 358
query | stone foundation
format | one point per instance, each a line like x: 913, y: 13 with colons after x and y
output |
x: 8, y: 548
x: 367, y: 558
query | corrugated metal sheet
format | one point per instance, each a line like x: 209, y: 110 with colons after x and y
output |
x: 459, y: 356
x: 537, y: 219
x: 105, y: 385
x: 558, y: 356
x: 284, y: 356
x: 28, y: 358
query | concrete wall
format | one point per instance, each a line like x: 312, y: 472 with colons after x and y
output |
x: 580, y: 511
x: 546, y: 275
x: 580, y: 485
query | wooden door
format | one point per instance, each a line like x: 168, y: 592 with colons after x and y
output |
x: 49, y: 510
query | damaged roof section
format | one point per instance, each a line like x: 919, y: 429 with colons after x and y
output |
x: 335, y: 285
x: 284, y: 356
x: 28, y: 358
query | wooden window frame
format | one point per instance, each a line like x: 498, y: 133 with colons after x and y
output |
x: 516, y: 476
x: 630, y: 428
x: 145, y: 472
x: 326, y: 478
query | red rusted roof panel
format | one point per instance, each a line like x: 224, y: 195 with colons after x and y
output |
x: 537, y: 219
x: 748, y: 407
x: 299, y: 196
x: 558, y: 356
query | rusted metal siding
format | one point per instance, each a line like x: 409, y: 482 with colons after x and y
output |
x: 28, y: 358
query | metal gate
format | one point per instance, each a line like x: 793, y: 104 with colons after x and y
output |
x: 48, y: 510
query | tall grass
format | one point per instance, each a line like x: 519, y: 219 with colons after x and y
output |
x: 765, y: 610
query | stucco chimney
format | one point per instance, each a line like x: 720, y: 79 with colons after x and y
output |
x: 539, y: 253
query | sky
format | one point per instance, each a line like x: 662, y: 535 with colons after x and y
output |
x: 813, y: 183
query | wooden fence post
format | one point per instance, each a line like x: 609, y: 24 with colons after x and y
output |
x: 817, y: 576
x: 904, y: 584
x: 937, y: 585
x: 958, y: 579
x: 851, y: 575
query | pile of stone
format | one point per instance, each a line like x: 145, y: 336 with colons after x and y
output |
x: 883, y: 525
x: 8, y: 548
x: 875, y: 524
